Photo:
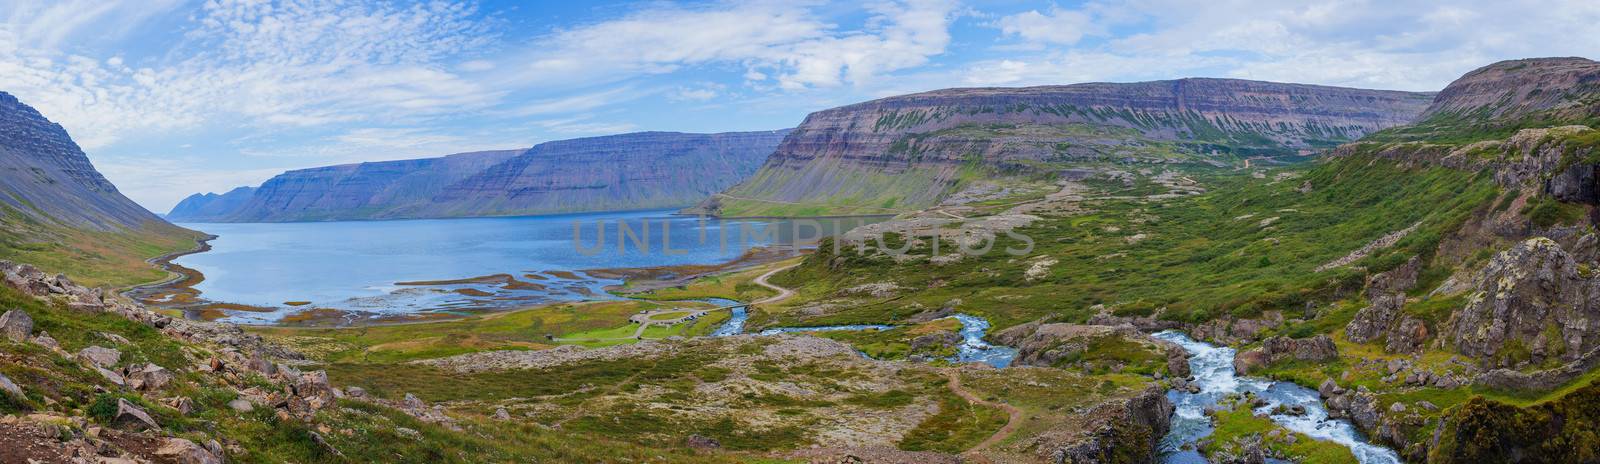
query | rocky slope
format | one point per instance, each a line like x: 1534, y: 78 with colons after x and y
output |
x: 628, y: 171
x: 914, y: 150
x: 1519, y: 88
x: 61, y: 214
x: 46, y: 176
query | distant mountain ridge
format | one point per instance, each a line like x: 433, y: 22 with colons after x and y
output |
x: 914, y: 150
x: 628, y: 171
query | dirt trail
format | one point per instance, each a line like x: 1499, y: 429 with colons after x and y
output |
x: 644, y: 319
x: 783, y: 293
x: 1014, y: 415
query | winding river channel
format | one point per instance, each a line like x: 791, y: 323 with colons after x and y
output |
x: 1212, y: 367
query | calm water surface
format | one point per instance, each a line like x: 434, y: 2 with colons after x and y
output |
x: 359, y: 266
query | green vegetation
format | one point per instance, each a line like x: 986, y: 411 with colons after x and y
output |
x: 523, y: 329
x: 92, y: 257
x: 1107, y: 353
x: 1237, y: 423
x: 362, y: 432
x: 896, y: 343
x: 957, y: 426
x: 1560, y: 430
x: 1201, y: 256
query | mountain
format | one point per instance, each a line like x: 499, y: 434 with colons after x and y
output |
x: 1557, y: 87
x: 48, y: 178
x: 208, y: 205
x: 335, y: 192
x: 627, y: 171
x: 64, y: 215
x: 913, y: 151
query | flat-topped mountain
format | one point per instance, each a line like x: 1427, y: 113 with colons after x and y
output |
x: 627, y: 171
x: 914, y: 150
x: 1518, y: 88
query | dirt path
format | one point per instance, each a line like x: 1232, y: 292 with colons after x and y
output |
x: 1013, y: 421
x: 644, y: 321
x: 783, y: 293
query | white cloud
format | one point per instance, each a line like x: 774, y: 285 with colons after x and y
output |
x: 1057, y: 27
x: 289, y: 63
x: 779, y: 44
x: 1404, y: 44
x: 701, y: 92
x: 575, y: 103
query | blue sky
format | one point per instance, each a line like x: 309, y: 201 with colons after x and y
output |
x: 172, y: 97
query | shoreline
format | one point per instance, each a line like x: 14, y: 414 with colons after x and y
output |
x: 176, y: 293
x: 164, y: 261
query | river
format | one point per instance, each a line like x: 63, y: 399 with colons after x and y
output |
x: 1212, y: 368
x: 971, y: 349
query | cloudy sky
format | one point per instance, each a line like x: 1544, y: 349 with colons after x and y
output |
x: 171, y: 97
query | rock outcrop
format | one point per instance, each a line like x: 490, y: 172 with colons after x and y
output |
x: 911, y: 151
x: 1530, y: 303
x: 1315, y: 349
x: 619, y: 172
x: 1127, y: 431
x: 1383, y: 318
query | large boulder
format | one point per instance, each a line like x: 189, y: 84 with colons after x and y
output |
x: 1530, y: 304
x: 16, y: 325
x: 1408, y: 336
x: 132, y: 417
x: 1118, y: 431
x: 1374, y: 321
x: 9, y: 387
x: 1315, y: 349
x: 184, y: 451
x: 101, y: 356
x: 311, y: 393
x: 148, y: 377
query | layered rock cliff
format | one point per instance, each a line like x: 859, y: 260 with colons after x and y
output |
x: 48, y: 178
x: 1568, y: 87
x: 628, y: 171
x: 913, y: 150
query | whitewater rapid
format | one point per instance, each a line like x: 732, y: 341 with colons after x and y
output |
x: 1212, y: 368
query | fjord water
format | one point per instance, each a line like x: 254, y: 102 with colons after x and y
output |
x: 358, y: 266
x: 1212, y: 368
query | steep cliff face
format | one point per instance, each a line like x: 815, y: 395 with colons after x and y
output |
x: 913, y: 150
x: 628, y: 171
x: 631, y: 171
x: 350, y: 191
x: 48, y: 178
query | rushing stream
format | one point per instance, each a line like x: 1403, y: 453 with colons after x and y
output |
x: 1212, y: 368
x: 971, y: 349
